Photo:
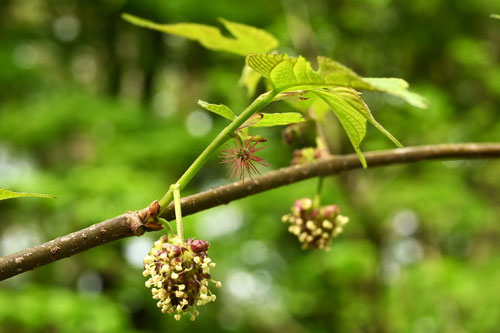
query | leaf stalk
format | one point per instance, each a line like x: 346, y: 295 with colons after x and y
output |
x: 259, y: 103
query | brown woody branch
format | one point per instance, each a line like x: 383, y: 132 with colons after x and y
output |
x: 131, y: 223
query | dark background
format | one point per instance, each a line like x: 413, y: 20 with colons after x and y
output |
x: 103, y: 115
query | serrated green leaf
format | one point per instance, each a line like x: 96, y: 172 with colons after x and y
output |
x: 247, y: 39
x: 344, y: 76
x: 252, y: 120
x: 250, y: 38
x: 8, y: 194
x: 396, y: 87
x: 250, y: 79
x: 353, y: 97
x: 305, y: 102
x: 219, y: 109
x: 333, y: 71
x: 286, y: 74
x: 354, y: 122
x: 279, y: 119
x: 265, y: 63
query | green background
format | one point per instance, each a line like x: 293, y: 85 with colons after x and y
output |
x: 103, y: 115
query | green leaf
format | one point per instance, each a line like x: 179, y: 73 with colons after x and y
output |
x: 250, y: 79
x: 219, y: 109
x: 8, y: 194
x: 305, y: 102
x: 288, y: 74
x: 247, y: 39
x: 265, y: 63
x: 252, y: 120
x: 353, y: 97
x: 352, y: 113
x: 396, y: 87
x: 354, y: 122
x: 250, y: 38
x: 279, y: 119
x: 336, y: 72
x: 495, y: 16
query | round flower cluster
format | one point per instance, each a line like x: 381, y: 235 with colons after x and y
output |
x: 180, y: 272
x: 315, y: 227
x: 308, y: 155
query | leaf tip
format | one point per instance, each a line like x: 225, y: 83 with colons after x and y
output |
x: 418, y: 100
x: 223, y: 20
x: 425, y: 104
x: 363, y: 162
x: 8, y: 194
x: 248, y: 58
x: 38, y: 195
x: 128, y: 17
x: 135, y: 20
x: 362, y: 158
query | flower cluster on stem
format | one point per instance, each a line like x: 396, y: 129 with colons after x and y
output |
x: 180, y: 275
x: 309, y: 155
x: 315, y: 227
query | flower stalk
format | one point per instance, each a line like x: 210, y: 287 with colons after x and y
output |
x: 223, y: 136
x: 319, y: 189
x: 178, y: 212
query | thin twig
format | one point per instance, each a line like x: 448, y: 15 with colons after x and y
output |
x: 129, y: 224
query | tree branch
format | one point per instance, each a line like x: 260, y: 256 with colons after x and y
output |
x: 131, y: 223
x: 121, y: 226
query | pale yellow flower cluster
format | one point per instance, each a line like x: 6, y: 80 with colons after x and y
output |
x: 315, y: 227
x: 179, y: 274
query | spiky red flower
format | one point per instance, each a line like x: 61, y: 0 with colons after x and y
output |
x: 242, y: 156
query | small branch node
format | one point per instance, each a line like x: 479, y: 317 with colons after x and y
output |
x: 136, y: 223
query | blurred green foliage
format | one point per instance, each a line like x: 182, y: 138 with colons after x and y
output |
x: 103, y: 115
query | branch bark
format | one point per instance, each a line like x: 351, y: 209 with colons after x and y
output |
x: 131, y: 223
x: 121, y: 226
